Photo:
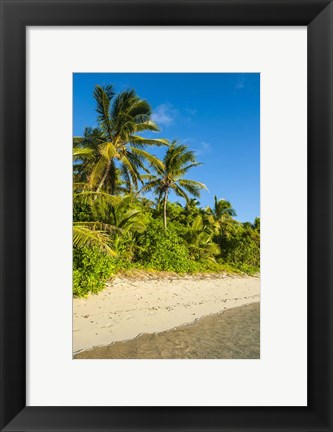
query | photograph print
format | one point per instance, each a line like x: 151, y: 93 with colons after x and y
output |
x: 166, y: 216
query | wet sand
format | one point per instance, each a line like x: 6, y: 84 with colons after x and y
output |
x: 128, y: 307
x: 233, y: 334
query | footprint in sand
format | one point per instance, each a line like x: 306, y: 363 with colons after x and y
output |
x: 106, y: 326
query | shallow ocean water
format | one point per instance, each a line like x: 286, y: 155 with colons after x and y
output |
x: 233, y: 334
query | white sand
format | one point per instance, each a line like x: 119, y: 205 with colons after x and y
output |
x: 127, y: 307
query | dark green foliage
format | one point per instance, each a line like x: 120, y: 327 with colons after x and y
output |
x: 91, y: 268
x: 242, y: 248
x: 82, y: 212
x: 162, y: 249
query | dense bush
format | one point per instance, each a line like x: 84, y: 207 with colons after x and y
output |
x: 163, y: 249
x: 242, y: 249
x: 81, y: 211
x: 91, y: 268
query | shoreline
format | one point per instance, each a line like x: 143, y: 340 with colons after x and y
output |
x: 142, y: 304
x: 231, y: 334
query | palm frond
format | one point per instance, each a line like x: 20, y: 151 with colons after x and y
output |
x: 182, y: 171
x: 97, y: 172
x: 180, y: 191
x: 177, y: 156
x: 145, y: 124
x: 79, y: 152
x: 148, y: 177
x: 138, y: 108
x: 137, y: 160
x: 120, y: 107
x: 193, y: 183
x: 107, y: 150
x: 153, y: 160
x: 192, y: 189
x: 128, y: 217
x: 131, y: 168
x: 92, y: 196
x: 77, y: 140
x: 112, y: 180
x: 136, y: 139
x: 153, y: 184
x: 99, y: 226
x: 103, y: 97
x: 80, y: 187
x: 198, y: 223
x: 84, y: 235
x: 126, y: 177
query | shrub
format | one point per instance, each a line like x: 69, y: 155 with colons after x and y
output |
x: 91, y: 268
x: 81, y: 211
x: 164, y: 250
x: 242, y: 249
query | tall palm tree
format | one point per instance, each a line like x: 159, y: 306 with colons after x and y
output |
x: 118, y: 146
x: 169, y: 175
x: 222, y: 213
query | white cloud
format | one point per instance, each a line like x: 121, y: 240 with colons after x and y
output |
x: 164, y: 114
x: 204, y: 148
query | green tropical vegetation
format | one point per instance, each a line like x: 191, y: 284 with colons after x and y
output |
x: 122, y: 216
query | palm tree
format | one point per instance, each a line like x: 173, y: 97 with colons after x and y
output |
x: 129, y: 220
x: 221, y: 215
x: 85, y: 153
x: 119, y: 149
x: 222, y: 210
x: 191, y: 210
x: 111, y: 222
x: 200, y: 239
x: 89, y: 232
x: 169, y: 176
x: 192, y: 207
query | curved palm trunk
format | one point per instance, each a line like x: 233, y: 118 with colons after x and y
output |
x: 165, y: 209
x: 106, y: 173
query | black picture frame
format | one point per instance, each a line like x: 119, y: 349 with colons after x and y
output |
x: 16, y: 15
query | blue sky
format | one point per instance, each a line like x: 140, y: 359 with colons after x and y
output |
x: 216, y: 115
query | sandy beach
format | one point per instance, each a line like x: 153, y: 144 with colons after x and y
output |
x: 231, y: 334
x: 131, y: 306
